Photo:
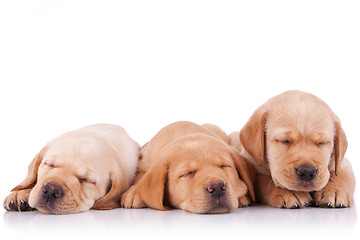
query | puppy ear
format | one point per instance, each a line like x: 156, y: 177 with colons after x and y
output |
x: 252, y: 136
x: 151, y: 187
x: 246, y: 171
x: 340, y: 145
x: 112, y: 199
x: 31, y: 178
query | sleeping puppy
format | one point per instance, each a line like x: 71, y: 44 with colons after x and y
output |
x: 297, y: 145
x: 79, y: 170
x: 193, y: 168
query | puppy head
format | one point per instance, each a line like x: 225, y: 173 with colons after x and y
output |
x: 299, y: 136
x: 66, y: 177
x: 197, y: 173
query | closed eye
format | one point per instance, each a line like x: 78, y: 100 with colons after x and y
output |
x: 188, y: 174
x: 321, y: 143
x: 286, y: 142
x: 225, y: 166
x: 51, y: 165
x: 85, y: 180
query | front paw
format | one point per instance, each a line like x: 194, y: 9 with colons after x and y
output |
x: 131, y: 199
x: 331, y: 196
x: 244, y: 201
x: 18, y: 201
x: 283, y: 198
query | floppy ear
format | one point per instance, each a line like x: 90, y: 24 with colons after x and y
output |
x: 31, y: 178
x: 246, y: 171
x: 151, y: 187
x: 340, y: 145
x: 252, y: 136
x: 112, y: 199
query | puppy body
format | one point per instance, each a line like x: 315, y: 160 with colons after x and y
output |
x: 190, y: 167
x: 87, y: 168
x: 297, y: 146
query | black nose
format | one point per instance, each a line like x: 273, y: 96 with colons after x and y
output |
x: 216, y: 189
x: 306, y: 173
x: 52, y: 192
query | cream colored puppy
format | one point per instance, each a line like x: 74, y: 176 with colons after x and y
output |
x: 87, y: 168
x: 297, y: 145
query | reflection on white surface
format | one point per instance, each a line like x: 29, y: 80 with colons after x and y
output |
x: 141, y: 222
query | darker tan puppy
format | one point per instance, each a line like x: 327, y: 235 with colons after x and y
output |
x: 297, y: 145
x: 193, y: 168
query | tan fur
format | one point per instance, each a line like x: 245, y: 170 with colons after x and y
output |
x: 294, y: 129
x: 178, y: 164
x: 93, y: 165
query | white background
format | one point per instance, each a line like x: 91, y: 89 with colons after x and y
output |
x: 145, y: 64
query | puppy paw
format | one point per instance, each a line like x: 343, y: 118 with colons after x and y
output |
x: 283, y: 198
x: 332, y: 197
x: 18, y: 201
x: 244, y: 201
x: 131, y: 199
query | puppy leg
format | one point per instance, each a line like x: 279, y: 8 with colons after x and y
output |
x: 244, y: 201
x: 338, y: 192
x: 132, y: 199
x: 18, y: 201
x: 268, y: 193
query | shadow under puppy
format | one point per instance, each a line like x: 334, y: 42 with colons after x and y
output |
x: 87, y: 168
x: 193, y: 168
x: 297, y: 145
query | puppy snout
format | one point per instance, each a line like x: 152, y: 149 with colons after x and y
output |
x: 216, y: 189
x: 306, y: 173
x: 52, y: 192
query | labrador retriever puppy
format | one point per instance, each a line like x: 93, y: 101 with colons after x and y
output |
x: 87, y: 168
x: 297, y: 145
x: 191, y: 167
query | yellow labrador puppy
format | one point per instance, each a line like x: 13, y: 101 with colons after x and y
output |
x: 191, y: 167
x: 87, y: 168
x: 297, y: 145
